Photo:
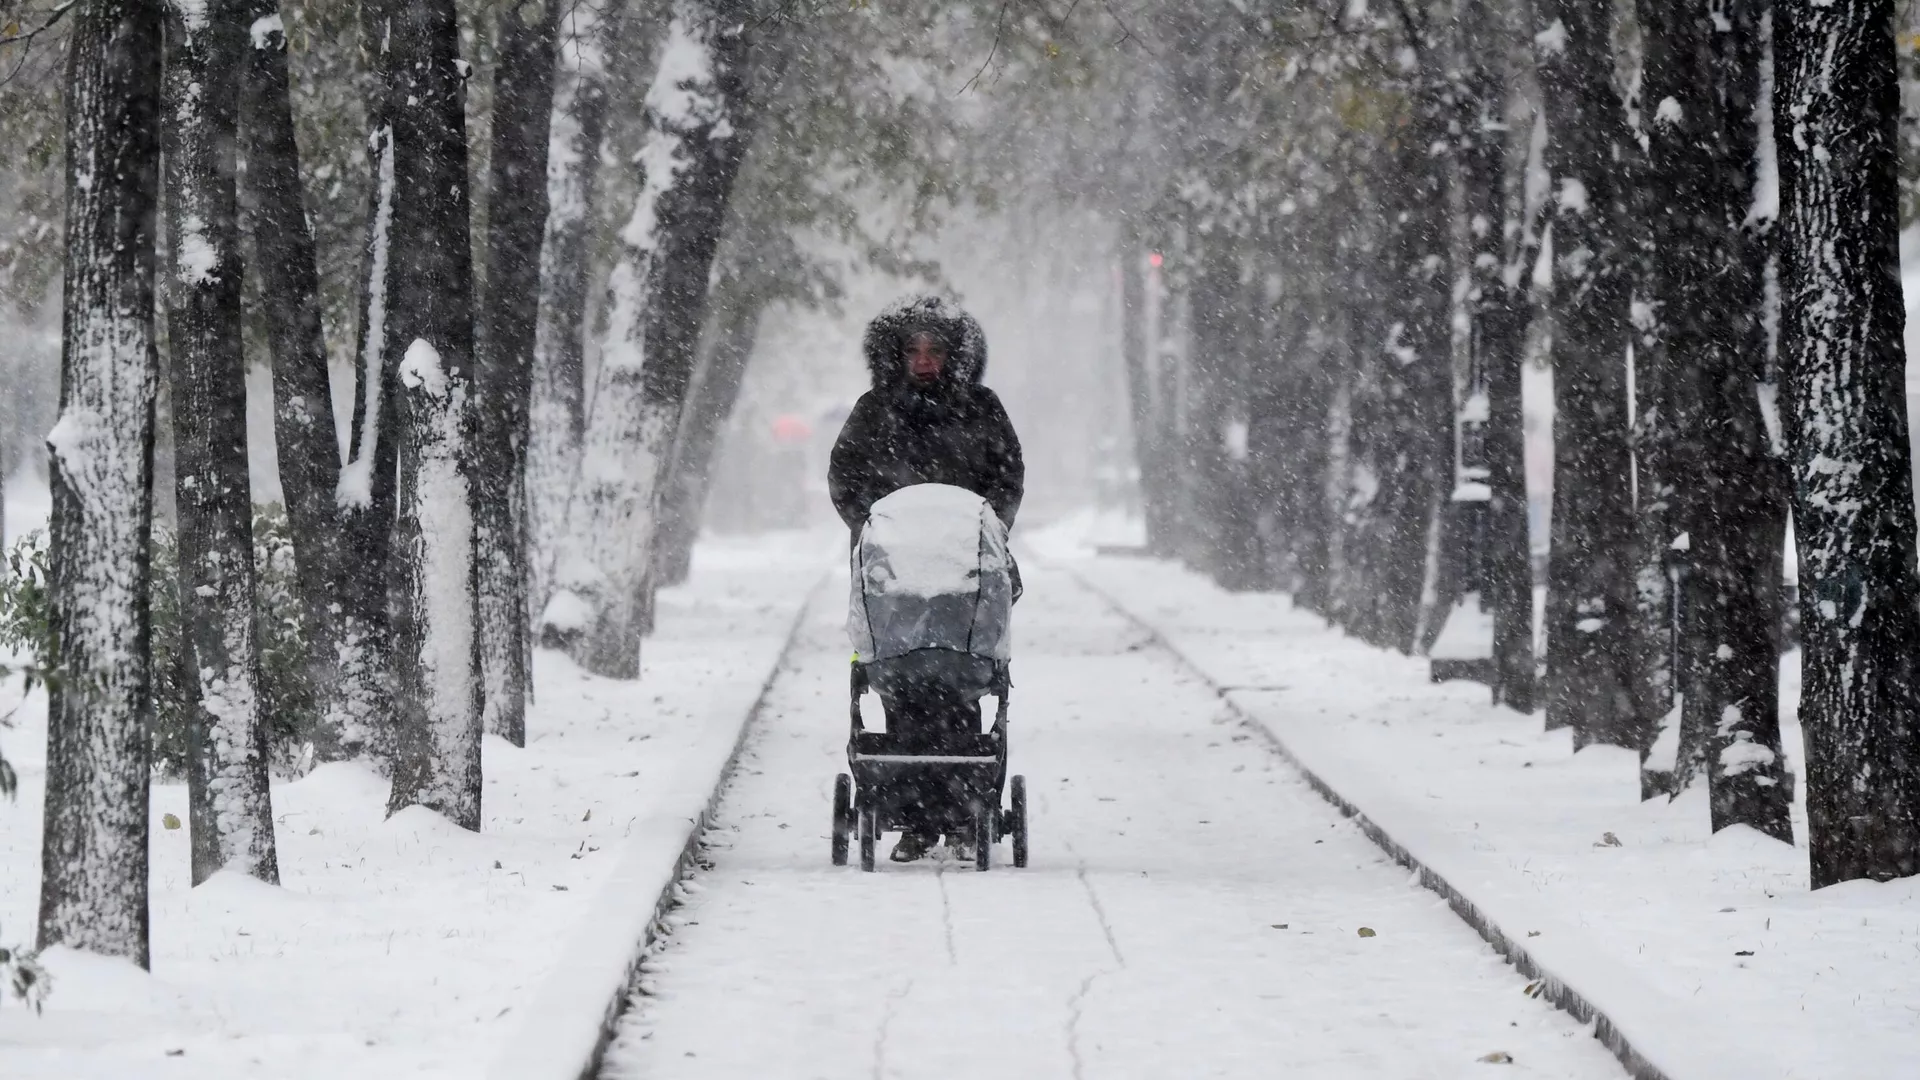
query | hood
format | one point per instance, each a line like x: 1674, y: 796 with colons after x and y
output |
x: 888, y: 332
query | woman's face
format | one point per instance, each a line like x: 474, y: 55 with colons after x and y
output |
x: 926, y: 357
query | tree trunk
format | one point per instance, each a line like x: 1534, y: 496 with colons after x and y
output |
x: 1416, y: 364
x: 93, y: 863
x: 1670, y: 252
x: 1846, y: 427
x: 710, y: 402
x: 287, y: 263
x: 517, y: 216
x: 557, y: 412
x: 229, y: 803
x: 436, y: 676
x: 1134, y: 349
x: 1709, y: 273
x: 1208, y: 406
x: 1497, y: 306
x: 1593, y: 677
x: 365, y: 498
x: 698, y: 129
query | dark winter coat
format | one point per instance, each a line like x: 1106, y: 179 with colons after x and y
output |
x: 954, y: 431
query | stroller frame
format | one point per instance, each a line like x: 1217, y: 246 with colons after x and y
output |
x: 959, y: 778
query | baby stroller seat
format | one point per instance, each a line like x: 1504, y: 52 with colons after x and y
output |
x: 929, y: 616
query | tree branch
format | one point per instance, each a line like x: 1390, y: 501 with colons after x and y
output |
x: 53, y: 17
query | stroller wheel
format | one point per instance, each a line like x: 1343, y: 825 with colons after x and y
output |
x: 869, y: 834
x: 842, y: 817
x: 1019, y: 815
x: 983, y: 816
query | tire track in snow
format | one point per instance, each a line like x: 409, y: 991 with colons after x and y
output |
x: 886, y: 1024
x: 1075, y: 1009
x: 946, y: 917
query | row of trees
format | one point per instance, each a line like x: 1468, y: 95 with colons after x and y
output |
x: 552, y: 303
x: 1371, y: 218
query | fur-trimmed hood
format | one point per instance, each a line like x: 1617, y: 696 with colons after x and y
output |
x: 886, y: 338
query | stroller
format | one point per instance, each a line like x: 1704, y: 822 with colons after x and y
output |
x: 932, y: 599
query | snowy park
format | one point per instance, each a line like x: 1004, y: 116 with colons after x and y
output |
x: 604, y: 539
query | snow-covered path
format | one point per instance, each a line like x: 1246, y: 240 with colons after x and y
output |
x: 1193, y: 909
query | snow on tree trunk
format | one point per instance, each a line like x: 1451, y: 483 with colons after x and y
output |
x: 93, y: 868
x: 1837, y: 109
x: 435, y: 633
x: 229, y: 805
x: 1593, y: 676
x: 285, y: 258
x: 697, y: 132
x: 710, y: 402
x: 557, y: 411
x: 517, y: 215
x: 435, y: 654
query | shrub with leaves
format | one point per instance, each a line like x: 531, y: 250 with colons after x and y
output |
x: 287, y: 697
x: 26, y: 631
x: 24, y: 976
x: 286, y: 687
x: 26, y: 627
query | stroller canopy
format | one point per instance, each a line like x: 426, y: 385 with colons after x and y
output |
x: 931, y: 571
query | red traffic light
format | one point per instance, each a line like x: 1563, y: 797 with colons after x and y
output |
x: 789, y: 428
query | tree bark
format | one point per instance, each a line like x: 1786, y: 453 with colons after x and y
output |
x: 1846, y: 426
x: 517, y: 216
x: 1593, y: 677
x: 434, y: 576
x: 229, y: 803
x: 698, y: 127
x: 587, y: 34
x: 93, y: 865
x: 286, y: 260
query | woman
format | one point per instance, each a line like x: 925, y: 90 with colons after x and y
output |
x: 927, y: 420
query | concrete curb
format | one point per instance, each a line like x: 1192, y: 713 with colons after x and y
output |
x: 1552, y: 985
x: 562, y: 1037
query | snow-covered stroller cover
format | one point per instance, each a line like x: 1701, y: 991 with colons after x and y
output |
x: 931, y: 571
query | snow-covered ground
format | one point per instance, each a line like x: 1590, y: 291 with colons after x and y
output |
x: 1708, y: 952
x: 405, y: 946
x: 1192, y: 908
